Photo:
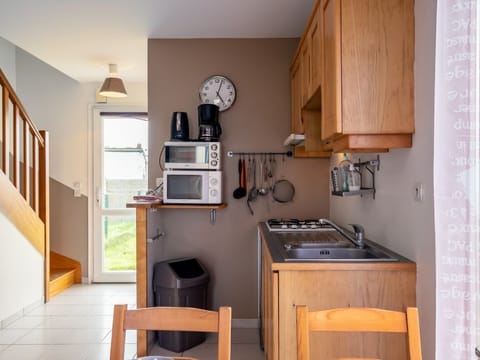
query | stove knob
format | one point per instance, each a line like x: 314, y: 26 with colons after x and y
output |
x: 313, y: 226
x: 284, y: 226
x: 304, y: 226
x: 294, y: 226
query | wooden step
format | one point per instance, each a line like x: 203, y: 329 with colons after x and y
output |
x: 60, y: 279
x: 64, y: 272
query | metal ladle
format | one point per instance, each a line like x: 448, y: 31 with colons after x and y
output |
x: 264, y: 171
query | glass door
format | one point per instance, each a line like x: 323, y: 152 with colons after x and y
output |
x: 120, y: 172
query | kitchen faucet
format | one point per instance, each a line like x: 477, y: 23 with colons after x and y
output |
x: 358, y: 229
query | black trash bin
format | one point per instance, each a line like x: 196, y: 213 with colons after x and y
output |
x: 180, y: 282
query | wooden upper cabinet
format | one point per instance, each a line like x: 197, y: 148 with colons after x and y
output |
x: 305, y: 64
x: 315, y: 45
x: 358, y: 61
x: 331, y: 108
x: 368, y: 90
x: 296, y: 98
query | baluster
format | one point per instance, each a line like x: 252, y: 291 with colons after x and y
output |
x: 5, y: 137
x: 26, y: 162
x: 34, y: 172
x: 16, y: 148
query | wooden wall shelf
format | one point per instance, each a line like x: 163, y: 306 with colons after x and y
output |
x: 160, y: 205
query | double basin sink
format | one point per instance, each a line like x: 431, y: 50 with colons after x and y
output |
x: 327, y: 246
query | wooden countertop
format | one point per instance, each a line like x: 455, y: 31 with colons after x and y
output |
x: 278, y: 263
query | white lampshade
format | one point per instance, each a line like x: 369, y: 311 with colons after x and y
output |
x: 113, y: 85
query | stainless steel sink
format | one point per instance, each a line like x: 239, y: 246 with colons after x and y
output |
x: 325, y: 245
x: 336, y: 254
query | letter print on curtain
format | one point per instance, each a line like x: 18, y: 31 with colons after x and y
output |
x: 457, y: 180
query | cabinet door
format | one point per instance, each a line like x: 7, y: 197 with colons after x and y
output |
x: 331, y: 69
x: 305, y: 71
x: 269, y: 307
x: 377, y: 66
x: 315, y: 40
x: 296, y: 98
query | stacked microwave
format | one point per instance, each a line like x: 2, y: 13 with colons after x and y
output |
x: 192, y: 173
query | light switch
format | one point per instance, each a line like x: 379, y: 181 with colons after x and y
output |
x: 77, y: 187
x: 419, y: 192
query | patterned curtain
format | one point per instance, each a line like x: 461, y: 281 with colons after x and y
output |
x: 457, y: 179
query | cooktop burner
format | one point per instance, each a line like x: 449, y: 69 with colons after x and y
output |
x: 296, y: 225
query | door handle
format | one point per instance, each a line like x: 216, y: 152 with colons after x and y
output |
x: 98, y: 196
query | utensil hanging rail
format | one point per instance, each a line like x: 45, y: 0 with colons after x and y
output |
x: 285, y: 153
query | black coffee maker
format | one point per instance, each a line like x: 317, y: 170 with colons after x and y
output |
x: 208, y: 126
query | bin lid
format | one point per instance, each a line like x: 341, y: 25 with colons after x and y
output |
x: 179, y: 273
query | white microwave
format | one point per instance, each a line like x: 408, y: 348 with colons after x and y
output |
x: 192, y: 187
x: 192, y: 155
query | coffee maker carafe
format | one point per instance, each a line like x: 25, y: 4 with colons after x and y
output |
x: 208, y: 125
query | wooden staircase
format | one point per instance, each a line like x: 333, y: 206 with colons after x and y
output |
x: 24, y: 187
x: 64, y: 272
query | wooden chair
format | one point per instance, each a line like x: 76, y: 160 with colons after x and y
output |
x: 357, y: 320
x: 171, y: 318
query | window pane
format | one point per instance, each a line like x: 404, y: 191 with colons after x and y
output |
x: 125, y: 160
x: 119, y: 243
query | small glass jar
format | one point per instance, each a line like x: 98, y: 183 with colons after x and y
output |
x: 354, y: 178
x: 343, y: 173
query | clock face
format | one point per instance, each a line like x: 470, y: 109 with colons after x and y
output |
x: 218, y: 90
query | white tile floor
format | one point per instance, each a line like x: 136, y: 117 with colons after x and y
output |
x: 76, y: 325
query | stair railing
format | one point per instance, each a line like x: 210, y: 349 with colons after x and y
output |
x: 24, y: 158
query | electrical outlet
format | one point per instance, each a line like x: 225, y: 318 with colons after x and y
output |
x: 419, y: 192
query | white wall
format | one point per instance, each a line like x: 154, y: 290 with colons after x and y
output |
x: 7, y: 61
x: 394, y: 218
x: 21, y: 266
x: 59, y: 104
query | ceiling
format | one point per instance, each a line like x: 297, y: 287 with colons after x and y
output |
x: 79, y: 38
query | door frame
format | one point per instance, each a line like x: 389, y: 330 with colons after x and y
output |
x: 94, y: 111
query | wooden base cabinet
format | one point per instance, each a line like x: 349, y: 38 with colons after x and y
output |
x: 327, y: 285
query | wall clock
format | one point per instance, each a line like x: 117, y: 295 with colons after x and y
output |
x: 218, y: 90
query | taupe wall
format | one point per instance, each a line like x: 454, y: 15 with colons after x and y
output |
x: 258, y: 121
x: 68, y: 233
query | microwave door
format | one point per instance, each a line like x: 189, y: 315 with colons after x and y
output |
x: 184, y: 187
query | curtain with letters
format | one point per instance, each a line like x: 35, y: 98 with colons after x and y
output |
x: 457, y: 179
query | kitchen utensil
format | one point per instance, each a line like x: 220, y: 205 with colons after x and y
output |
x: 240, y: 192
x: 271, y: 172
x: 244, y: 176
x: 283, y: 191
x: 264, y: 188
x: 252, y: 194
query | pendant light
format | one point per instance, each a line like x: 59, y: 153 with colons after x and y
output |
x: 113, y: 85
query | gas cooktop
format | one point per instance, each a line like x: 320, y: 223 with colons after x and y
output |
x: 296, y: 225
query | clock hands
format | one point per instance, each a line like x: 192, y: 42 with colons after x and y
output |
x: 218, y: 92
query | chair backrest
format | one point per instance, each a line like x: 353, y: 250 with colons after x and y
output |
x: 171, y: 318
x: 357, y: 320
